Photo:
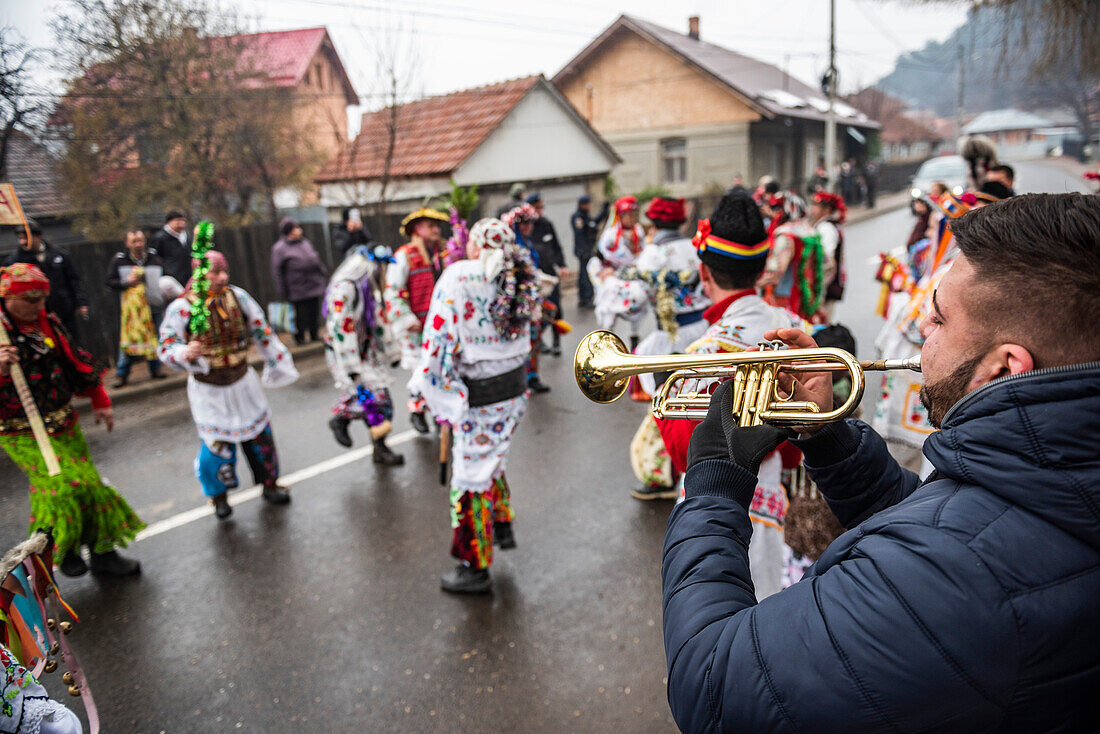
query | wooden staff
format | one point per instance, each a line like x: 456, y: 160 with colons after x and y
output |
x: 10, y: 210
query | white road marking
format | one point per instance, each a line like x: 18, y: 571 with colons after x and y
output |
x: 288, y: 480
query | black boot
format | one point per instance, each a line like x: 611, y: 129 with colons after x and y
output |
x: 418, y: 422
x: 120, y: 381
x: 538, y: 385
x: 339, y: 426
x: 384, y: 455
x: 556, y: 349
x: 651, y: 492
x: 503, y: 535
x: 112, y: 564
x: 222, y: 510
x: 467, y: 580
x: 72, y: 564
x: 276, y: 495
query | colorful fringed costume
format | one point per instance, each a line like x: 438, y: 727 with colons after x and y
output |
x: 79, y: 507
x: 227, y: 400
x: 900, y: 417
x: 471, y: 373
x: 408, y: 292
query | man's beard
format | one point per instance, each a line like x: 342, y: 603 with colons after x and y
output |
x: 939, y: 397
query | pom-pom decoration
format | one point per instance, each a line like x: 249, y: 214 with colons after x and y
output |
x: 199, y: 322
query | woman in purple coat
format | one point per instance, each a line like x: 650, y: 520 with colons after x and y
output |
x: 300, y: 278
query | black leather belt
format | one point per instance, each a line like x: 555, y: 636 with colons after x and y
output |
x: 495, y: 389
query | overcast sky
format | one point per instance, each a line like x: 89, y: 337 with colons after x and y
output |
x: 461, y: 43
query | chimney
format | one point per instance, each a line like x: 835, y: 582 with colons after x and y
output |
x: 693, y: 27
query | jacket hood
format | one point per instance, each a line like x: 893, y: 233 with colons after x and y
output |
x: 1033, y: 439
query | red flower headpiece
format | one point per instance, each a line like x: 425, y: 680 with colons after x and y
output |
x: 836, y: 201
x: 522, y: 214
x: 701, y: 233
x: 626, y: 204
x: 666, y: 210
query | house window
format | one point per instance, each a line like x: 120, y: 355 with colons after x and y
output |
x: 674, y: 162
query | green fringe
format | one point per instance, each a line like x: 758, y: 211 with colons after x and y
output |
x: 76, y: 505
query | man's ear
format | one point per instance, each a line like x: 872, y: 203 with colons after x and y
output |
x: 704, y: 272
x: 1002, y: 361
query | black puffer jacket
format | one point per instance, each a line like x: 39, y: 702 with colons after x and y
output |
x: 969, y: 603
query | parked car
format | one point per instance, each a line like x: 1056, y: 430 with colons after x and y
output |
x: 951, y: 170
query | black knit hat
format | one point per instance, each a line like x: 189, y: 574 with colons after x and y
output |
x: 739, y: 229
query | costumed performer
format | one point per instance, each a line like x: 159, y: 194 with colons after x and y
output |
x: 77, y: 506
x: 471, y: 372
x: 804, y: 273
x: 733, y: 247
x: 522, y: 220
x: 618, y: 247
x: 354, y: 353
x: 669, y: 266
x: 227, y: 399
x: 408, y: 295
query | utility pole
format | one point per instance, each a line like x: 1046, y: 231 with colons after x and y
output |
x: 830, y: 89
x: 959, y: 96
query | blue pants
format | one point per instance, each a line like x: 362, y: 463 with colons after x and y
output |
x: 216, y: 466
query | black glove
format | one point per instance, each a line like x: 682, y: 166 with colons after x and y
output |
x: 719, y: 436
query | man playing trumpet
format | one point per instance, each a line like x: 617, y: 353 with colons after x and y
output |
x: 964, y: 603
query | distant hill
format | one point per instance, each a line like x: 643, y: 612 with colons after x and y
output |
x: 996, y: 72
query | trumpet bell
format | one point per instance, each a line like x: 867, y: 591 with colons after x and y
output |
x: 596, y: 355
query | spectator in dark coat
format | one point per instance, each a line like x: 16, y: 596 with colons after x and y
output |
x: 67, y: 298
x: 351, y: 234
x: 870, y: 181
x: 300, y: 278
x: 544, y: 240
x: 967, y: 602
x: 173, y: 246
x: 585, y: 233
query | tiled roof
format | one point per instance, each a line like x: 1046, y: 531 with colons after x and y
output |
x: 765, y: 87
x: 33, y: 172
x: 284, y: 56
x: 434, y: 135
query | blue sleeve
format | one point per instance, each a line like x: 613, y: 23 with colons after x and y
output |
x: 886, y: 639
x: 851, y: 466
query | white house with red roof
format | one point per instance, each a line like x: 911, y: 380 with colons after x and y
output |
x: 521, y: 130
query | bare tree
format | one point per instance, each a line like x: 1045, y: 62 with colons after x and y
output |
x: 396, y: 59
x: 163, y: 108
x: 22, y: 104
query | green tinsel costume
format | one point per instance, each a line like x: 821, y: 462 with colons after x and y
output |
x: 76, y: 505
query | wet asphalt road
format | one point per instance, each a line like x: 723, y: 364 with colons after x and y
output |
x: 327, y: 616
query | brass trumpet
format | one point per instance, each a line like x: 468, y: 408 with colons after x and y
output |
x: 603, y: 367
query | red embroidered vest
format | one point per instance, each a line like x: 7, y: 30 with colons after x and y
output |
x: 421, y: 281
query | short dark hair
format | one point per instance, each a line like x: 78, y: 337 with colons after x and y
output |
x: 173, y: 214
x: 1037, y: 263
x: 133, y: 230
x: 738, y: 275
x: 1006, y: 169
x: 771, y: 187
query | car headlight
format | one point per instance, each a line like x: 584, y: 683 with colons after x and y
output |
x: 915, y: 192
x: 958, y: 190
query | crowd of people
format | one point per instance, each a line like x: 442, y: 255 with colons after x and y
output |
x: 812, y: 578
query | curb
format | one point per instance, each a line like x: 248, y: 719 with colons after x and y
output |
x: 178, y: 380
